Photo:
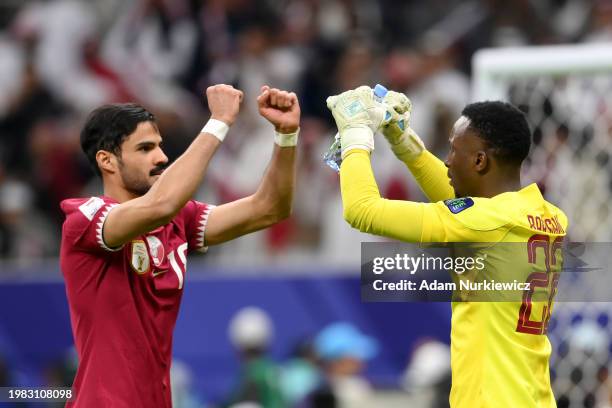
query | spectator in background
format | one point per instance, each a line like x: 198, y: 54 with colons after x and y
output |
x: 301, y: 374
x: 25, y: 100
x: 251, y: 332
x: 66, y: 33
x: 428, y: 375
x: 25, y: 234
x: 36, y: 149
x: 39, y: 125
x: 436, y: 86
x: 151, y: 46
x: 601, y: 27
x: 181, y: 383
x: 581, y: 365
x: 344, y: 351
x: 60, y: 373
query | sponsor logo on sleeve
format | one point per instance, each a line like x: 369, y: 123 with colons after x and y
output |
x: 91, y: 207
x: 457, y: 205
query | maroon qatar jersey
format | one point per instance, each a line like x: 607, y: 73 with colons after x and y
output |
x: 124, y: 303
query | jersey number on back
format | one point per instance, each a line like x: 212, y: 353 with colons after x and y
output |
x: 546, y: 281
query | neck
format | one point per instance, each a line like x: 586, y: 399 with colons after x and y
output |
x: 491, y: 186
x: 116, y: 192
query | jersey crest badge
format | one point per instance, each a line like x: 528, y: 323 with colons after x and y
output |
x: 157, y: 249
x: 140, y: 257
x: 456, y: 205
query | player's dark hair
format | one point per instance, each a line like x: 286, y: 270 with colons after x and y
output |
x: 107, y: 127
x: 503, y: 127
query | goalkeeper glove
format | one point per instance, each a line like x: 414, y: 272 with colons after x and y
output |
x: 357, y: 117
x: 404, y: 142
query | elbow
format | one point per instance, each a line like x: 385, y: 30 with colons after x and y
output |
x: 352, y: 215
x: 360, y: 214
x: 280, y: 212
x: 275, y: 211
x: 284, y: 209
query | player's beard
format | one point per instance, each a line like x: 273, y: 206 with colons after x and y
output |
x: 136, y: 183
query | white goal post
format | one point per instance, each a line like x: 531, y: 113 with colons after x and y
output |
x: 493, y: 66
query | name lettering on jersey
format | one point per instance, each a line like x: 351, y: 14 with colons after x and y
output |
x: 157, y: 249
x: 456, y: 205
x: 545, y: 224
x: 91, y: 207
x: 140, y: 257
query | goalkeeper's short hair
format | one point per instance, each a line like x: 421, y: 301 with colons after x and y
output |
x: 503, y: 127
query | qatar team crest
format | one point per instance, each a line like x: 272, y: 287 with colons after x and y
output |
x: 140, y: 257
x: 157, y: 250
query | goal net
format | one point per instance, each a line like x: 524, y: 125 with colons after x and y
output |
x: 566, y: 93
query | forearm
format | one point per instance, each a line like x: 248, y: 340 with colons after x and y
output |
x: 274, y: 197
x: 432, y: 176
x: 270, y: 204
x: 365, y: 210
x: 429, y: 171
x: 179, y: 182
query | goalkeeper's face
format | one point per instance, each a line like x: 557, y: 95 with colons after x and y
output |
x: 141, y: 160
x: 464, y: 159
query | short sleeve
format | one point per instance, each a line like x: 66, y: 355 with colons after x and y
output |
x: 85, y: 222
x: 195, y: 217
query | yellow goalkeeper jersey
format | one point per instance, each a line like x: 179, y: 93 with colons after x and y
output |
x: 499, y: 350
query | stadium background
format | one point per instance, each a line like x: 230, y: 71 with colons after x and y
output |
x: 61, y: 58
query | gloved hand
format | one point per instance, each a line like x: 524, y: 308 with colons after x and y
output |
x: 358, y: 115
x: 404, y: 142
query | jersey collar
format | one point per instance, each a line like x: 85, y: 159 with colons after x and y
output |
x: 531, y: 193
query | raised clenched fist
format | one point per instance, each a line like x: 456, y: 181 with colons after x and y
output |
x: 224, y: 102
x: 281, y: 108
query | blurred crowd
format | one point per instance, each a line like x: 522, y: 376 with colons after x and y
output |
x: 327, y: 370
x: 62, y: 58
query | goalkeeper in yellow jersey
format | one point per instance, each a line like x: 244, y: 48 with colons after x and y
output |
x: 499, y: 350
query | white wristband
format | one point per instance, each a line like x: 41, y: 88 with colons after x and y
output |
x: 216, y: 128
x: 356, y: 138
x: 286, y: 139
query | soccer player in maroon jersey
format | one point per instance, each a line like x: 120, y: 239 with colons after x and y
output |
x: 123, y: 254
